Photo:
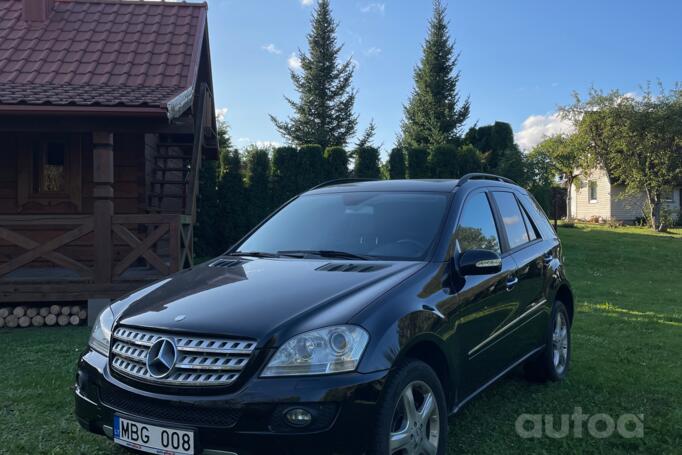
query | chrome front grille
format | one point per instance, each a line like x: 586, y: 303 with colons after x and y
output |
x: 200, y: 361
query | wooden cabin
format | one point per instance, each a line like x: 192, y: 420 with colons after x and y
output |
x: 106, y: 113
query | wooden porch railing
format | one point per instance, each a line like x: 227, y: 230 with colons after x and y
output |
x: 39, y: 249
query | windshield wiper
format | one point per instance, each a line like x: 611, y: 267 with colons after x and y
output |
x: 324, y: 254
x: 255, y: 254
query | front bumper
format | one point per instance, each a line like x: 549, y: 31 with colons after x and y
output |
x: 246, y: 421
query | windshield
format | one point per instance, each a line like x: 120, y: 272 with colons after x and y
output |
x: 386, y: 225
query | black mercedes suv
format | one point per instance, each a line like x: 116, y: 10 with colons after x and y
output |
x: 355, y: 319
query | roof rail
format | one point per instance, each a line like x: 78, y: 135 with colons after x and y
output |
x: 340, y: 181
x: 482, y: 176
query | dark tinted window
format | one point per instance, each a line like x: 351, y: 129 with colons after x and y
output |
x: 538, y: 216
x: 389, y: 225
x: 512, y: 219
x: 530, y: 226
x: 476, y: 229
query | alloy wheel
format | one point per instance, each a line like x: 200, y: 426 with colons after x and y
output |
x: 560, y: 342
x: 415, y: 427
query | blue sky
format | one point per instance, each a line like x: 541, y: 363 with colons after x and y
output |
x: 519, y: 59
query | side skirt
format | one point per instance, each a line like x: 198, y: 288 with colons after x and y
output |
x: 459, y: 405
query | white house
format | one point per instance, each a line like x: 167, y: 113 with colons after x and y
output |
x: 595, y: 195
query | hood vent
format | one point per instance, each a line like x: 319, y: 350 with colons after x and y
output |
x: 227, y: 263
x: 349, y: 267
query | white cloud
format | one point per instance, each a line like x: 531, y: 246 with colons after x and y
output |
x: 294, y: 61
x: 536, y: 128
x: 374, y: 8
x: 373, y: 51
x: 220, y: 114
x: 271, y: 48
x: 247, y: 141
x: 267, y: 144
x: 307, y: 2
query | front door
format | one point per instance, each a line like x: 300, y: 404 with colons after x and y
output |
x: 484, y: 301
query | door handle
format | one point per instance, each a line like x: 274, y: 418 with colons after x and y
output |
x: 511, y: 282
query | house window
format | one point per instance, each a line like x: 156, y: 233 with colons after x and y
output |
x: 592, y: 190
x: 49, y: 172
x: 49, y: 167
x: 667, y: 194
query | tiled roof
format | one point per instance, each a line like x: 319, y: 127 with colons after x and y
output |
x: 100, y: 53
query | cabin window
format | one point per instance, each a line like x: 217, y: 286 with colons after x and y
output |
x: 49, y: 173
x: 592, y: 190
x: 49, y: 167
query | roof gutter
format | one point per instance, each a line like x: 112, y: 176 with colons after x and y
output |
x: 124, y: 111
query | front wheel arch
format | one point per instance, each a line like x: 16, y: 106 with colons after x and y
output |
x: 431, y: 353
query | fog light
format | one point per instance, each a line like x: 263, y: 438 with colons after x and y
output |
x: 298, y: 417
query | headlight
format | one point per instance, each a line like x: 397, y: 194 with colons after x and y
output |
x: 101, y: 332
x: 329, y: 350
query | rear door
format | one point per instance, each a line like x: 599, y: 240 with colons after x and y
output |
x: 524, y: 244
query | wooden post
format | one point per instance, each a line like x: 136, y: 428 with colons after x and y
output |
x: 103, y: 178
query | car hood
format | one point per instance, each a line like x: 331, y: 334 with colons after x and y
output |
x: 267, y: 300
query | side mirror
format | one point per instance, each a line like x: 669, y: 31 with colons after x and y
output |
x: 479, y: 262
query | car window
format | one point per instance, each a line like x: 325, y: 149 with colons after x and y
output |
x: 511, y: 218
x: 538, y: 216
x: 476, y: 229
x: 530, y: 226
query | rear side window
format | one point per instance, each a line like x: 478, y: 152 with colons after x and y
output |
x: 530, y: 226
x: 538, y: 216
x: 512, y: 219
x: 476, y: 229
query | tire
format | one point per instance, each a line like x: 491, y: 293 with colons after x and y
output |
x: 413, y: 428
x: 553, y: 362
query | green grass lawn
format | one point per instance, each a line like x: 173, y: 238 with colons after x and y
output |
x: 627, y: 347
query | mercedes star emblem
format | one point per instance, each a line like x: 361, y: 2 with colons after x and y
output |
x: 161, y: 358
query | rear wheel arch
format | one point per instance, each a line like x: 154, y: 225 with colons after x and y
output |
x: 565, y: 296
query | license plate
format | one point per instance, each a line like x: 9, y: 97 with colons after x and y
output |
x: 153, y: 439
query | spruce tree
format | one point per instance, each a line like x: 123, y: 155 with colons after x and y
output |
x: 396, y: 164
x: 367, y: 138
x: 435, y: 113
x: 324, y: 112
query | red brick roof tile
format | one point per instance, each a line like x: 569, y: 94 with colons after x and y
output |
x: 100, y: 53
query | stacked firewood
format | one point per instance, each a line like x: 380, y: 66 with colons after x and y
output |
x: 33, y: 316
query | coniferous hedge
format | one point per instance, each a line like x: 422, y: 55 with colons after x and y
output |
x: 336, y: 161
x: 311, y: 167
x: 244, y: 187
x: 396, y: 164
x: 367, y: 162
